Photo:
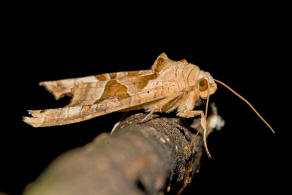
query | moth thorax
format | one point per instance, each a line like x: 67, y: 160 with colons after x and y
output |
x: 193, y: 75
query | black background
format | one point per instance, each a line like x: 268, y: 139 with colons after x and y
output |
x: 245, y: 50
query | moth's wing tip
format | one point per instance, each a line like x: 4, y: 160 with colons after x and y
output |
x: 32, y: 121
x: 51, y: 89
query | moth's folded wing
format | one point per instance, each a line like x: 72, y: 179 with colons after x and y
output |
x: 60, y: 88
x: 61, y: 116
x: 93, y: 92
x: 92, y: 99
x: 74, y: 114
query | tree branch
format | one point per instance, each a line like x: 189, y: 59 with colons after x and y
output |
x: 138, y: 158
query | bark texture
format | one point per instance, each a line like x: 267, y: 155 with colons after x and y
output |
x: 138, y: 158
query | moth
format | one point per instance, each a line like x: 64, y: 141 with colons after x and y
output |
x: 169, y: 85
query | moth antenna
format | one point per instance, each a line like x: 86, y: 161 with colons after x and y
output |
x: 247, y: 102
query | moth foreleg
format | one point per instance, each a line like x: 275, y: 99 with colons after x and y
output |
x: 148, y: 116
x: 119, y: 122
x: 164, y: 105
x: 193, y: 113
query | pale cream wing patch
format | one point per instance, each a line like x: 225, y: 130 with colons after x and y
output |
x: 60, y: 88
x: 87, y: 93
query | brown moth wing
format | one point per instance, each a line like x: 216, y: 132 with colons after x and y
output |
x: 98, y: 98
x: 117, y: 95
x: 94, y: 92
x: 120, y: 84
x: 60, y: 88
x: 67, y: 115
x: 109, y: 93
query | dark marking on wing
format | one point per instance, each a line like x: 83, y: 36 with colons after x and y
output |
x: 113, y: 88
x: 101, y: 77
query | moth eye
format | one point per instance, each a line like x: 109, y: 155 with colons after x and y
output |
x: 203, y: 84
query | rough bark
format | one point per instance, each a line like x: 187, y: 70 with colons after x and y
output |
x: 138, y: 158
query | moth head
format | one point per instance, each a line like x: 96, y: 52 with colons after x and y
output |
x: 206, y: 84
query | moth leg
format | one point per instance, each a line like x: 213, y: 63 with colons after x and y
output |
x: 118, y: 123
x: 163, y: 105
x: 191, y: 114
x: 148, y: 116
